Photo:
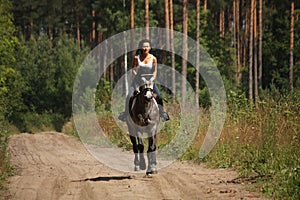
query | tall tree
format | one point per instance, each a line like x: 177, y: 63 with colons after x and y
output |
x: 260, y: 34
x: 167, y: 23
x: 184, y: 49
x: 132, y: 23
x: 93, y: 28
x: 255, y: 52
x: 238, y: 40
x: 292, y: 45
x: 147, y: 18
x: 77, y: 22
x: 250, y: 74
x: 246, y: 27
x: 172, y: 50
x: 197, y: 50
x: 222, y: 22
x: 205, y: 5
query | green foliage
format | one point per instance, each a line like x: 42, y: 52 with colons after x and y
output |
x: 10, y: 92
x: 47, y: 78
x: 8, y: 41
x: 103, y: 95
x: 263, y: 143
x: 5, y: 167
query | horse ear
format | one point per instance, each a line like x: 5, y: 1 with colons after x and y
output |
x: 143, y: 79
x: 151, y: 79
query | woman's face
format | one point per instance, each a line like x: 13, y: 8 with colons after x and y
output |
x: 146, y: 47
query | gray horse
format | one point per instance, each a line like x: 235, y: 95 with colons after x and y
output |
x: 143, y: 118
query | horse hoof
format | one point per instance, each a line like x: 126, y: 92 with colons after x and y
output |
x: 136, y: 168
x: 151, y: 171
x: 142, y: 163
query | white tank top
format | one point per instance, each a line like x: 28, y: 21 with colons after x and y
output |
x: 145, y: 67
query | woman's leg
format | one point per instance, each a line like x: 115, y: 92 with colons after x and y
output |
x: 126, y: 112
x: 159, y: 100
x: 159, y: 97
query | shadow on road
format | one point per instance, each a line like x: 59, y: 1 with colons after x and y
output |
x: 104, y: 178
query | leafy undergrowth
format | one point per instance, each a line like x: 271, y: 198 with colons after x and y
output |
x: 263, y: 144
x: 5, y: 167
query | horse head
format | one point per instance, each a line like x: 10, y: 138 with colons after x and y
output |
x: 146, y: 86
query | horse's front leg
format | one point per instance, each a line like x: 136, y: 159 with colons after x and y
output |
x: 135, y: 151
x: 151, y: 154
x: 141, y: 153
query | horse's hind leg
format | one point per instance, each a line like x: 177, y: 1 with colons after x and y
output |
x: 135, y: 151
x: 151, y: 154
x: 141, y: 154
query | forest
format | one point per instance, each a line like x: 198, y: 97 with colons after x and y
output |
x: 254, y: 43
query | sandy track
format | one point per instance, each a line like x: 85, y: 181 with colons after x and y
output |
x: 56, y: 166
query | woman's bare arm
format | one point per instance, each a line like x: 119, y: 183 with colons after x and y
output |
x: 154, y: 67
x: 134, y: 66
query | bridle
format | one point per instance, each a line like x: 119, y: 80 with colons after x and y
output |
x: 145, y: 87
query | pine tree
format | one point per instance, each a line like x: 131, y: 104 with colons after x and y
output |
x: 292, y: 45
x: 197, y: 50
x: 147, y: 18
x: 184, y: 49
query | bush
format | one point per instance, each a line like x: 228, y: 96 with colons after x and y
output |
x: 32, y: 122
x: 5, y: 168
x: 263, y: 143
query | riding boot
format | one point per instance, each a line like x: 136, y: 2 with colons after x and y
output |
x: 163, y: 114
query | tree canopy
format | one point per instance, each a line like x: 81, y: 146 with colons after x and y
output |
x: 51, y: 38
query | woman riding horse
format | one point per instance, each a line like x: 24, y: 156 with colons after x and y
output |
x: 144, y: 119
x: 144, y: 63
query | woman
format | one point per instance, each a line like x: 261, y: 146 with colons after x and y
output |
x: 144, y: 63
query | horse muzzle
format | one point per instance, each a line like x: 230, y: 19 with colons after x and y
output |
x: 148, y: 95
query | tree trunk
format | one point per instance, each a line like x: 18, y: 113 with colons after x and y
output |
x: 132, y: 37
x: 255, y: 52
x: 292, y: 46
x: 111, y: 70
x: 105, y: 54
x: 147, y: 18
x: 184, y: 51
x: 78, y: 23
x: 251, y: 53
x: 197, y: 50
x: 172, y: 51
x: 238, y: 38
x: 235, y: 35
x: 167, y: 23
x: 222, y: 23
x: 31, y: 29
x: 260, y: 45
x: 246, y: 27
x: 93, y: 29
x: 205, y: 5
x: 125, y: 66
x: 131, y: 14
x: 78, y: 33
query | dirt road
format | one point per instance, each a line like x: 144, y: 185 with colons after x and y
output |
x: 56, y: 166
